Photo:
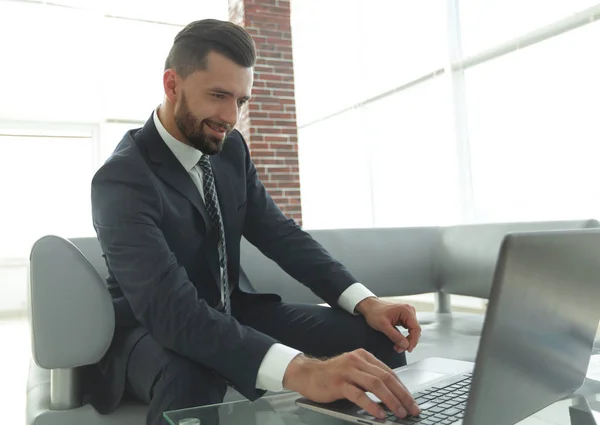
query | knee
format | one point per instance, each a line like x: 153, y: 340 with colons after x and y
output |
x: 378, y: 344
x: 184, y: 376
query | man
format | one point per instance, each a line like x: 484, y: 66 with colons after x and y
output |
x: 170, y: 207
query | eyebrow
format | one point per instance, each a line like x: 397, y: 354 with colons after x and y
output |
x: 228, y: 93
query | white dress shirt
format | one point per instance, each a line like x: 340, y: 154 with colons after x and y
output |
x: 279, y: 356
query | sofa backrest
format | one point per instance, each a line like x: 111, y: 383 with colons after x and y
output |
x: 468, y: 254
x: 389, y: 262
x: 69, y: 301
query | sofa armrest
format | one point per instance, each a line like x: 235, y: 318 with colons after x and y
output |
x: 71, y: 313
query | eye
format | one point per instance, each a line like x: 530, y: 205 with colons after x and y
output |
x: 242, y: 102
x: 218, y: 95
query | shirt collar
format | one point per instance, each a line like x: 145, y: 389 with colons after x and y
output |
x: 185, y: 154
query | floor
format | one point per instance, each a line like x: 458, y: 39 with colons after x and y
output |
x: 15, y: 352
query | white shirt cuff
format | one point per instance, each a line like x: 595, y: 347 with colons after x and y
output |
x: 273, y: 367
x: 354, y: 294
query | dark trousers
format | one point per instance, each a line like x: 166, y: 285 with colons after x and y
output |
x: 167, y: 381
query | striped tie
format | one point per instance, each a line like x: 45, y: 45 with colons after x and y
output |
x: 211, y: 203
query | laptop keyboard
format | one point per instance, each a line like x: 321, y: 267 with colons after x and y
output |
x: 443, y: 404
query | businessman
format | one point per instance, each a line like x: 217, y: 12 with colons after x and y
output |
x: 170, y: 207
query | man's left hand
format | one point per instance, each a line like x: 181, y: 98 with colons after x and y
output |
x: 384, y: 316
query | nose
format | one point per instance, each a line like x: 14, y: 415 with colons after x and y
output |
x: 230, y: 113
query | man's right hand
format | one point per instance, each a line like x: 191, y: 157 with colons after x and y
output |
x: 350, y: 376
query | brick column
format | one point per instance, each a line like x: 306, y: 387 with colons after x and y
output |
x: 269, y: 123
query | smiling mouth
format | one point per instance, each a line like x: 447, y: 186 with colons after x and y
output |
x: 217, y: 128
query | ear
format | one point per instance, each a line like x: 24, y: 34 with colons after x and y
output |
x: 171, y: 85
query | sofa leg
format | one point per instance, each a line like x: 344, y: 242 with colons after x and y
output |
x: 443, y: 303
x: 64, y: 389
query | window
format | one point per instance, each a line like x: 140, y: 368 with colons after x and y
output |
x: 110, y: 136
x: 348, y: 51
x: 488, y: 23
x: 389, y: 163
x: 413, y: 157
x: 533, y: 130
x: 336, y: 186
x: 133, y: 67
x: 45, y: 186
x: 50, y: 63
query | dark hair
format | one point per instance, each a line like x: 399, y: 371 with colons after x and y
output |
x: 193, y: 43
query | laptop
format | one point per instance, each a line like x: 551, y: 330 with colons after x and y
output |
x: 535, y: 346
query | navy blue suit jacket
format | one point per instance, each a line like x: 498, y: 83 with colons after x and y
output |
x: 161, y: 252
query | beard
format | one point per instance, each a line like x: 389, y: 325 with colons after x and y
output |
x: 195, y: 130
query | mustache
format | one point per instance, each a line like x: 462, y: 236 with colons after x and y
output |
x: 226, y: 126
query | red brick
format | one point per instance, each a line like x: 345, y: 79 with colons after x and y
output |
x: 259, y: 146
x: 281, y: 177
x: 274, y: 55
x: 260, y: 114
x: 283, y: 93
x: 282, y: 85
x: 265, y: 123
x: 269, y: 123
x: 286, y: 154
x: 269, y: 130
x: 270, y: 161
x: 288, y: 185
x: 276, y: 138
x: 262, y: 153
x: 269, y: 76
x: 286, y: 123
x: 282, y: 146
x: 271, y: 107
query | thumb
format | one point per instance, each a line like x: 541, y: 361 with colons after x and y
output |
x: 394, y: 334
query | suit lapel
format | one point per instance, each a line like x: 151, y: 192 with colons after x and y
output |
x: 179, y: 179
x: 170, y: 170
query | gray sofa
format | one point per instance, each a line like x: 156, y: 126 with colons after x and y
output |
x: 72, y: 320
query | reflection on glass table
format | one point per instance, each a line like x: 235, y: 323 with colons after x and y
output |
x: 583, y: 409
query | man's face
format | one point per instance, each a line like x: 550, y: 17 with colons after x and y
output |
x: 209, y: 102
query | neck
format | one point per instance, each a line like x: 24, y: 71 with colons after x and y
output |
x: 167, y: 118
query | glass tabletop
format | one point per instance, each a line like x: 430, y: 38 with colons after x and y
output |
x: 582, y: 408
x: 282, y: 410
x: 278, y: 409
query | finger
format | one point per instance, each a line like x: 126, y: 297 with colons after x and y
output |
x: 360, y: 398
x: 370, y: 358
x: 409, y: 320
x: 397, y: 338
x: 413, y: 338
x: 376, y: 367
x: 371, y: 382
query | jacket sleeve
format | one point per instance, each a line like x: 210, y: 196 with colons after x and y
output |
x: 294, y: 250
x: 126, y: 210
